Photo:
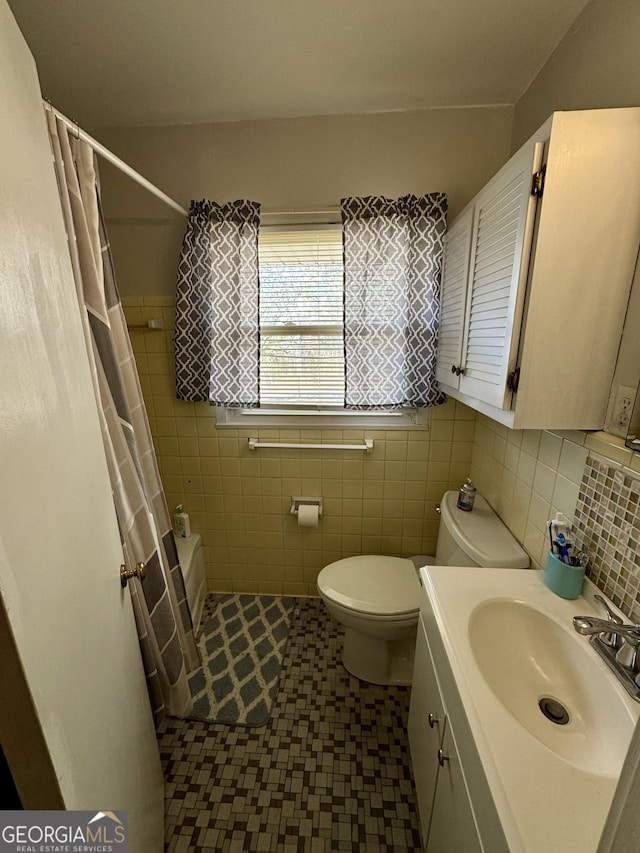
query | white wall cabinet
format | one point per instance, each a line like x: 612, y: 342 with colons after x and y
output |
x: 537, y: 272
x: 446, y: 816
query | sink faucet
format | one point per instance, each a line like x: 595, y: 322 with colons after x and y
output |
x: 617, y: 643
x: 587, y: 625
x: 627, y: 655
x: 611, y: 639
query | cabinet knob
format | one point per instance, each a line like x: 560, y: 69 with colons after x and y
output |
x: 453, y: 368
x: 442, y: 758
x: 432, y: 720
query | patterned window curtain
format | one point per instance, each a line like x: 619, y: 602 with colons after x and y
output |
x: 160, y: 607
x: 217, y: 329
x: 392, y: 266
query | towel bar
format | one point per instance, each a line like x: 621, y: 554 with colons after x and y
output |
x: 255, y: 443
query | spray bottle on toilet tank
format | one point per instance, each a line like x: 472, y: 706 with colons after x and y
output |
x: 466, y: 496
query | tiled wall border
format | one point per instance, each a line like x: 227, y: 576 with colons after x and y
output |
x: 607, y: 527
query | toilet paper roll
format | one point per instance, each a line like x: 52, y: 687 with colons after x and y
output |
x: 308, y: 515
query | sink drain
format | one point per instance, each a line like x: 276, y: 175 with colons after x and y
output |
x: 554, y: 711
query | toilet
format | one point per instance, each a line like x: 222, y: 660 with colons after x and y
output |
x: 377, y: 598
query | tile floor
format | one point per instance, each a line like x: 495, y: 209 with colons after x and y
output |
x: 329, y: 772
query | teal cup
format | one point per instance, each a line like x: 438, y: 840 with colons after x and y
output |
x: 566, y: 581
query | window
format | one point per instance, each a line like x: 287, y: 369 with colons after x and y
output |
x: 301, y: 337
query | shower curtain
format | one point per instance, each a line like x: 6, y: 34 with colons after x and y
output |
x: 163, y: 620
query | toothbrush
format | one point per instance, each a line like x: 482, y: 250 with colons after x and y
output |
x: 549, y: 526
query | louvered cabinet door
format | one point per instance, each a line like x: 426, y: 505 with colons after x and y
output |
x: 453, y: 290
x: 502, y: 234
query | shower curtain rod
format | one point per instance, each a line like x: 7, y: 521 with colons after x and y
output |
x: 115, y: 161
x: 330, y: 215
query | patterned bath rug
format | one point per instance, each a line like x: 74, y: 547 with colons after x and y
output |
x: 242, y: 646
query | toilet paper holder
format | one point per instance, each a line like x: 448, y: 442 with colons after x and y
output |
x: 296, y: 503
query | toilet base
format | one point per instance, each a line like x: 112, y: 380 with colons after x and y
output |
x: 379, y: 661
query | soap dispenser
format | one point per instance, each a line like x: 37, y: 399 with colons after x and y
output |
x: 181, y: 525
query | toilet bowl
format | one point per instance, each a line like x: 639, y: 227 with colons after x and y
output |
x: 377, y: 598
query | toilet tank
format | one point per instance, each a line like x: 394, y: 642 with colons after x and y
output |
x: 476, y: 538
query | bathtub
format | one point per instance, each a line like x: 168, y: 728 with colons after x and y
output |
x: 192, y: 564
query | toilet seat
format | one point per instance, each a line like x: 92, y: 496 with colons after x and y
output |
x: 373, y: 585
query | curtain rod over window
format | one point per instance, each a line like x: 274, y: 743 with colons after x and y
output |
x: 116, y: 161
x: 328, y: 216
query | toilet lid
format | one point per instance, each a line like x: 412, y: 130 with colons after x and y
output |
x: 385, y: 586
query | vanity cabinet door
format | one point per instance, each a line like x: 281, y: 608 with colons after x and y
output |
x: 453, y: 828
x: 446, y: 818
x: 426, y: 729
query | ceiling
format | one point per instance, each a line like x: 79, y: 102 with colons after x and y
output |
x: 150, y: 62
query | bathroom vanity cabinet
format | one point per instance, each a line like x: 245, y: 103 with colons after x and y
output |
x: 537, y: 272
x: 456, y: 811
x: 510, y: 778
x: 446, y: 815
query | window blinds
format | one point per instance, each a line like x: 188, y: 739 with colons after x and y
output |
x: 301, y: 318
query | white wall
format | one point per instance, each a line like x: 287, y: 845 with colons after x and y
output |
x: 304, y: 164
x: 594, y: 66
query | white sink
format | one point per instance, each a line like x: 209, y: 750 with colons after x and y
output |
x: 505, y: 642
x: 552, y: 683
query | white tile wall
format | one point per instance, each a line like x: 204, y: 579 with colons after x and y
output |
x: 529, y: 475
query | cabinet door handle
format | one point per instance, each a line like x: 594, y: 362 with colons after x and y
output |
x: 442, y: 758
x: 432, y: 720
x: 513, y: 380
x: 453, y: 368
